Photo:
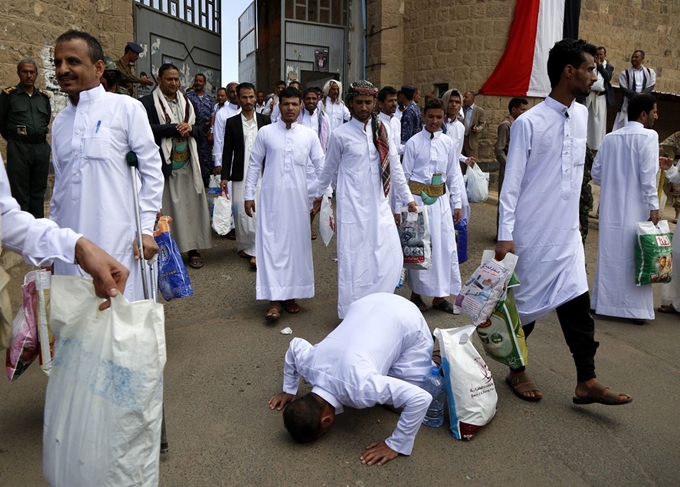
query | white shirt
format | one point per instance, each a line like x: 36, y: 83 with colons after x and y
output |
x: 39, y: 241
x: 395, y: 131
x: 93, y: 184
x: 311, y: 121
x: 361, y: 366
x: 263, y: 109
x: 539, y: 205
x: 227, y: 111
x: 337, y: 113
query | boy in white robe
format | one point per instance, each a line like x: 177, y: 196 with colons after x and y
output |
x: 430, y: 155
x: 625, y: 168
x: 285, y: 270
x: 380, y: 354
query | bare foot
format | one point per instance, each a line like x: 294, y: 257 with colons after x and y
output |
x: 522, y: 386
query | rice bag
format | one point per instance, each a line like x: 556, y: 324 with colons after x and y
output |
x: 414, y: 235
x: 653, y: 253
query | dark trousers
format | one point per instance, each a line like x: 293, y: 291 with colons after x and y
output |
x: 578, y: 328
x: 27, y: 168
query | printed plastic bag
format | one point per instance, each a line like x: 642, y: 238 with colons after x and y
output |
x: 477, y: 184
x: 653, y: 253
x: 214, y: 190
x: 502, y: 334
x: 104, y: 400
x: 173, y: 280
x: 222, y: 216
x: 414, y: 234
x: 461, y: 229
x: 470, y: 389
x: 326, y: 220
x: 484, y: 288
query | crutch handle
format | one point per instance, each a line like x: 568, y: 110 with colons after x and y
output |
x: 131, y: 159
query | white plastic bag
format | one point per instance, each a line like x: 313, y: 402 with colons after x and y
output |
x: 477, y: 184
x: 222, y: 217
x: 414, y: 234
x: 326, y: 220
x: 214, y: 189
x: 470, y: 389
x: 104, y: 401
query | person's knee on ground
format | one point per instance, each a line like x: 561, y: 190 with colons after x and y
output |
x: 308, y: 417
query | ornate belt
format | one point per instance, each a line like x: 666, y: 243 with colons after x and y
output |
x: 434, y: 190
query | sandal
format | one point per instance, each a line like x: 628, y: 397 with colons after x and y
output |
x: 241, y: 253
x: 668, y: 308
x: 291, y: 306
x: 601, y: 395
x: 313, y: 235
x: 519, y: 387
x: 418, y: 301
x: 253, y: 264
x: 444, y: 306
x: 274, y: 312
x: 195, y: 260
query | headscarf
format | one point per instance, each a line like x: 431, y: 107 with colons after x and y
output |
x: 447, y: 97
x: 329, y: 84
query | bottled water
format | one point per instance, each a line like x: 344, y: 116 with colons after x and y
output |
x: 434, y: 384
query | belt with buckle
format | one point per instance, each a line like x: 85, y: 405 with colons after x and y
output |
x: 28, y: 139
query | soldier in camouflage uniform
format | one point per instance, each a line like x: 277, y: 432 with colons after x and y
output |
x: 671, y: 146
x: 25, y: 114
x: 586, y: 203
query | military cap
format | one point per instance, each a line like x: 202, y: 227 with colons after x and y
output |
x: 134, y: 47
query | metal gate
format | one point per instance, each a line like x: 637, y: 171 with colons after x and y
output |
x: 183, y: 32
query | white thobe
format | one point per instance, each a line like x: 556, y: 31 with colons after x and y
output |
x: 395, y: 131
x: 92, y: 181
x: 597, y: 114
x: 397, y: 114
x: 456, y: 131
x: 227, y: 111
x: 539, y: 206
x: 39, y: 241
x: 670, y: 292
x: 380, y: 354
x: 625, y: 168
x: 310, y: 120
x: 636, y: 79
x: 423, y: 158
x: 337, y: 113
x: 245, y: 226
x: 283, y: 247
x: 369, y: 253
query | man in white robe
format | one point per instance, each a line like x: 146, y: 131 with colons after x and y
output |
x: 539, y: 218
x: 332, y: 104
x: 636, y: 79
x: 455, y: 130
x: 596, y: 103
x: 430, y: 166
x: 285, y: 270
x: 369, y: 179
x: 90, y: 140
x: 625, y: 169
x: 387, y: 99
x: 229, y: 109
x: 670, y: 292
x: 380, y: 354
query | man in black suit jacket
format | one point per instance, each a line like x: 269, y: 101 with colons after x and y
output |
x: 607, y: 71
x: 239, y: 136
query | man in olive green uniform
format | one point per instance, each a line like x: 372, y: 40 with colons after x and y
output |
x: 671, y: 148
x: 127, y: 77
x: 24, y: 119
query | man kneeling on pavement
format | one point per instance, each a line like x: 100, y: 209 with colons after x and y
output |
x: 360, y: 366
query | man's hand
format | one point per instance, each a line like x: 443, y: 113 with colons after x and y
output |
x: 474, y: 130
x: 147, y: 82
x: 654, y: 216
x: 210, y: 137
x: 316, y: 206
x: 149, y: 244
x: 665, y: 163
x: 503, y: 247
x: 378, y: 452
x: 457, y: 215
x: 108, y: 275
x: 470, y: 161
x: 412, y: 207
x: 280, y: 400
x: 397, y: 218
x: 225, y: 186
x: 184, y: 129
x: 217, y: 170
x: 249, y: 206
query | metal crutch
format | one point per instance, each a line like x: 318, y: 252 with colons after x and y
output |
x: 149, y: 286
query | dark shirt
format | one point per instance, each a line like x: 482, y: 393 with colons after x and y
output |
x: 19, y: 108
x: 204, y: 106
x: 411, y: 122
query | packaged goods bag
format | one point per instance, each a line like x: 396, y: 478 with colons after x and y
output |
x: 477, y: 184
x: 222, y: 215
x: 214, y: 190
x: 470, y: 389
x: 502, y: 334
x: 461, y: 240
x: 104, y: 400
x: 173, y: 280
x: 653, y: 253
x: 414, y: 235
x: 484, y: 288
x: 326, y: 220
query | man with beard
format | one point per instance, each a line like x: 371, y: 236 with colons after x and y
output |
x: 636, y: 79
x: 370, y: 179
x: 387, y: 99
x: 93, y: 184
x: 332, y: 104
x: 274, y: 102
x: 203, y: 106
x: 229, y: 110
x: 125, y: 63
x: 261, y: 105
x: 539, y: 218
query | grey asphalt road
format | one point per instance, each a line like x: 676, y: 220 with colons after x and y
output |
x: 224, y: 363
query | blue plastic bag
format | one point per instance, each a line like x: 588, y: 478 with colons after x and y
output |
x: 173, y: 280
x: 461, y: 240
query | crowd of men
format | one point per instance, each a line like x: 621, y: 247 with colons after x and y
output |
x: 384, y: 157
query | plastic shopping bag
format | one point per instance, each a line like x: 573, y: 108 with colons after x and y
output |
x: 326, y: 220
x: 104, y: 400
x: 477, y: 184
x: 173, y: 280
x: 502, y: 334
x: 222, y: 216
x: 470, y: 389
x: 414, y: 234
x: 484, y: 288
x: 653, y: 253
x: 214, y: 190
x: 461, y: 229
